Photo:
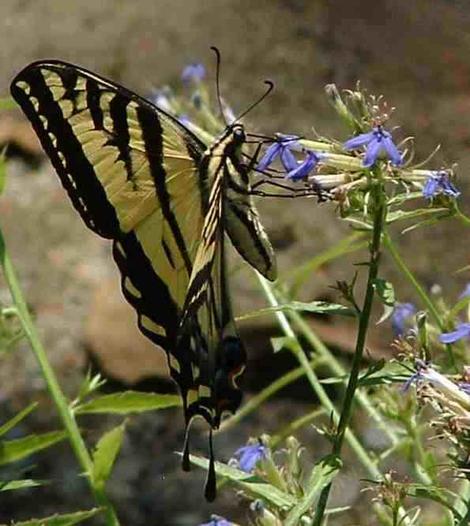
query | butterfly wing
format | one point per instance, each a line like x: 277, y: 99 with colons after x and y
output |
x: 132, y: 172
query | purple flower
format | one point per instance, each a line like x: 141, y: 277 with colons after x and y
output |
x: 216, y: 520
x: 438, y: 182
x: 378, y: 141
x: 303, y: 169
x: 400, y: 317
x: 462, y: 331
x: 465, y: 387
x: 193, y: 73
x: 415, y: 378
x: 282, y: 149
x: 248, y: 456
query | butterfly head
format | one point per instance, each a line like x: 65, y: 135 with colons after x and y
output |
x: 238, y: 134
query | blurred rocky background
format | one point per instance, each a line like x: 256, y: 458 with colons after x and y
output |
x: 415, y: 53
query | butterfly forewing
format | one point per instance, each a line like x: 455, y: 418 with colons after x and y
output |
x: 133, y: 174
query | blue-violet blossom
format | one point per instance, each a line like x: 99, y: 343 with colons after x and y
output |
x: 462, y: 331
x: 248, y: 456
x: 438, y: 182
x: 402, y: 312
x: 282, y: 149
x: 303, y: 169
x: 378, y: 141
x: 193, y: 73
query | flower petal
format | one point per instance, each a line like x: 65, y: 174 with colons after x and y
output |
x: 248, y: 456
x: 269, y: 156
x: 431, y: 187
x: 304, y: 168
x: 193, y: 73
x: 372, y: 153
x: 360, y: 140
x: 288, y: 159
x: 462, y: 331
x: 400, y: 316
x: 392, y: 151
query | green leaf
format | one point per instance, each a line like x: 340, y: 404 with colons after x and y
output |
x: 105, y: 455
x: 400, y: 215
x: 402, y: 198
x: 61, y: 520
x: 386, y: 293
x: 129, y: 402
x: 316, y: 307
x: 17, y: 418
x: 443, y: 496
x: 20, y: 484
x: 283, y: 342
x: 13, y: 450
x: 251, y: 484
x: 382, y: 373
x: 323, y: 473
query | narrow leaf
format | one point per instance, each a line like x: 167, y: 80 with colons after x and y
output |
x: 17, y: 418
x: 283, y: 342
x: 251, y: 484
x: 386, y: 293
x: 13, y: 450
x: 20, y: 484
x: 61, y: 520
x: 322, y: 474
x: 105, y: 455
x: 400, y: 215
x: 128, y: 402
x: 316, y: 307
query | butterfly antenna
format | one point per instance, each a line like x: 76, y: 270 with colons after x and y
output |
x: 270, y: 85
x: 217, y: 82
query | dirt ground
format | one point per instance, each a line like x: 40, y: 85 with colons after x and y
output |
x: 416, y: 55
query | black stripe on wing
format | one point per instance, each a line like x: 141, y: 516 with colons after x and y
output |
x: 65, y: 151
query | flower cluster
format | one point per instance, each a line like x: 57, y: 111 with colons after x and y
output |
x: 438, y: 182
x: 283, y: 149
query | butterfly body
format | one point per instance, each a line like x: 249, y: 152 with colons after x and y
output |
x: 166, y: 200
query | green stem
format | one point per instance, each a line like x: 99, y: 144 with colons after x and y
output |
x: 314, y: 381
x: 392, y: 249
x: 461, y: 216
x: 57, y: 395
x: 293, y: 426
x: 377, y: 195
x: 336, y: 368
x: 425, y: 299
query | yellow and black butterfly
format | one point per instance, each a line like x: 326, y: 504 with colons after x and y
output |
x: 139, y: 177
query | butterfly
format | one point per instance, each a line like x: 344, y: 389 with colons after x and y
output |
x: 140, y: 178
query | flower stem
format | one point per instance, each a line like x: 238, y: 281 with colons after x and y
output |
x: 314, y: 381
x: 461, y: 216
x: 378, y: 202
x: 61, y: 402
x: 426, y: 300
